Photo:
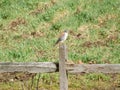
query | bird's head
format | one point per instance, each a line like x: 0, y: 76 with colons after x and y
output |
x: 66, y: 31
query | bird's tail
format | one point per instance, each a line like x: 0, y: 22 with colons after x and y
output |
x: 57, y: 42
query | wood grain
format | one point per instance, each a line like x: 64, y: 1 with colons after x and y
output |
x: 62, y: 67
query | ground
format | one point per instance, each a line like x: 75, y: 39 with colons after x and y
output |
x: 29, y: 29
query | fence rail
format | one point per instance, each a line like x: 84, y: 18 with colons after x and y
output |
x: 51, y: 67
x: 31, y: 67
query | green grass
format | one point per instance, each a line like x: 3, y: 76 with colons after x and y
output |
x: 78, y: 82
x: 29, y: 29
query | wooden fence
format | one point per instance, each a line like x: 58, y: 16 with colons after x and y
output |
x: 61, y: 67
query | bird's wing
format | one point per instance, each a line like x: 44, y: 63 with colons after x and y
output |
x: 60, y: 38
x: 61, y: 35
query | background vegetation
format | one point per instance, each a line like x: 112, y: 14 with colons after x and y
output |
x: 29, y: 29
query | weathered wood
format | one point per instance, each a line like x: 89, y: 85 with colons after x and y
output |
x: 31, y: 67
x: 62, y: 67
x: 46, y: 67
x: 93, y: 68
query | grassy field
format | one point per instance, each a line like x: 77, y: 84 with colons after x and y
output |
x: 29, y: 29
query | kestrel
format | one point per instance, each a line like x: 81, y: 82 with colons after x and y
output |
x: 62, y: 37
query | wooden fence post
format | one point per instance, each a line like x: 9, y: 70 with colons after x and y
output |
x: 62, y: 67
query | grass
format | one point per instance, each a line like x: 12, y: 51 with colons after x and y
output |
x: 29, y: 29
x: 77, y: 82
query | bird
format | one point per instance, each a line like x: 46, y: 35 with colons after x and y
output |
x: 63, y: 36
